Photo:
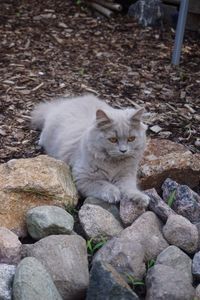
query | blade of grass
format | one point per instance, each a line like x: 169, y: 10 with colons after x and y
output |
x: 89, y: 246
x: 150, y: 263
x: 99, y: 245
x: 134, y: 282
x: 171, y: 198
x: 138, y: 282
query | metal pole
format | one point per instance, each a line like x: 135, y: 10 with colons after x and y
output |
x: 180, y: 29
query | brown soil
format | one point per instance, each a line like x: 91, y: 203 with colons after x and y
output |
x: 53, y: 48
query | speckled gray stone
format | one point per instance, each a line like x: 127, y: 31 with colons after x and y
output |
x: 97, y: 222
x: 180, y: 232
x: 186, y: 201
x: 47, y: 220
x: 147, y: 12
x: 6, y: 279
x: 164, y: 282
x: 196, y: 266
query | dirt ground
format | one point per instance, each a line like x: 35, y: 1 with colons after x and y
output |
x: 53, y: 48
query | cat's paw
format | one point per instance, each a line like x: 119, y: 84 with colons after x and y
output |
x: 141, y: 199
x: 111, y: 194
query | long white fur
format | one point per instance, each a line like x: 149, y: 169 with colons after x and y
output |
x: 70, y: 132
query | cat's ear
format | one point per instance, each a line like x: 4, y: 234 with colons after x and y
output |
x: 102, y: 119
x: 137, y: 115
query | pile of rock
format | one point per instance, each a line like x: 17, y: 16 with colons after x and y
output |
x: 156, y: 247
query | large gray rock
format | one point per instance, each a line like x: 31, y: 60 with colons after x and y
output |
x: 33, y: 282
x: 164, y: 282
x: 158, y: 205
x: 106, y: 283
x: 186, y: 201
x: 65, y: 258
x: 130, y: 210
x: 98, y: 222
x: 46, y: 220
x: 125, y: 255
x: 180, y: 232
x: 196, y: 266
x: 147, y: 12
x: 10, y: 247
x: 6, y: 280
x: 146, y: 230
x: 177, y: 259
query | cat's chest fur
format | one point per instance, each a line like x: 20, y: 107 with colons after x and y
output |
x: 107, y: 170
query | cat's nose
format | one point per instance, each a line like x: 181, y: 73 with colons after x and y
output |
x: 123, y: 150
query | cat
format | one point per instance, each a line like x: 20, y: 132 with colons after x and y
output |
x: 103, y: 145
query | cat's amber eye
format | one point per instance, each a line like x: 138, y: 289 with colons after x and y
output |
x: 113, y: 140
x: 131, y: 138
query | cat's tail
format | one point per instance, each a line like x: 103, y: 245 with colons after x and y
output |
x: 38, y: 116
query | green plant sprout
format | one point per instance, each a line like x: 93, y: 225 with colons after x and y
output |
x: 78, y: 2
x: 150, y: 263
x: 133, y: 281
x: 171, y: 198
x: 71, y: 210
x: 93, y: 246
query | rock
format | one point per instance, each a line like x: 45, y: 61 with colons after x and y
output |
x: 196, y: 266
x: 177, y: 259
x: 164, y: 282
x: 25, y: 249
x: 106, y: 283
x: 46, y: 220
x: 10, y: 247
x: 33, y: 282
x: 163, y: 159
x: 126, y: 256
x: 98, y: 222
x: 112, y: 208
x: 186, y: 202
x: 198, y: 229
x: 147, y: 12
x: 182, y: 233
x: 168, y: 187
x: 158, y: 206
x: 146, y: 230
x: 65, y: 258
x: 197, y: 293
x: 26, y: 183
x: 6, y: 279
x: 130, y: 211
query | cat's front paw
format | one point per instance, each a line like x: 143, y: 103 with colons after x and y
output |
x: 111, y: 194
x: 141, y: 199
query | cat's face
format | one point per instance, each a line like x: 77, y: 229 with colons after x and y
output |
x: 122, y: 134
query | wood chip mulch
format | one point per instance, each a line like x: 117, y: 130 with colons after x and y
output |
x: 53, y: 48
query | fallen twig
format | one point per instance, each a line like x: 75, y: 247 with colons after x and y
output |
x: 104, y: 11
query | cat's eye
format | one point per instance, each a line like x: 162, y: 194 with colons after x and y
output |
x: 113, y: 140
x: 131, y: 138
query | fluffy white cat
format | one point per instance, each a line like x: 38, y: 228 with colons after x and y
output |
x: 102, y: 145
